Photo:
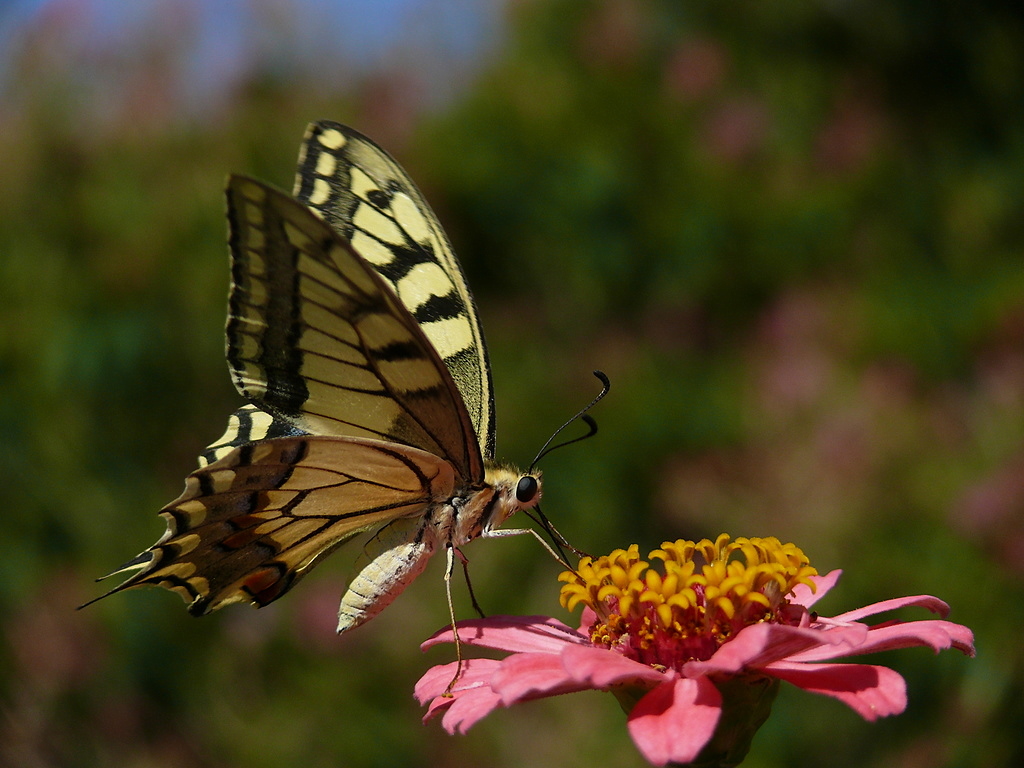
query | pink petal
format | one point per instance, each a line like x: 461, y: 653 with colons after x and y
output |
x: 578, y: 668
x: 601, y: 668
x: 533, y: 676
x: 934, y: 633
x: 468, y: 709
x: 435, y: 680
x: 471, y: 698
x: 510, y: 633
x: 933, y: 604
x: 761, y: 644
x: 871, y: 691
x: 802, y: 594
x: 587, y: 619
x: 673, y: 722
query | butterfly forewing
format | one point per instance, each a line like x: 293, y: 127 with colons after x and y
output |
x: 370, y: 201
x: 316, y: 338
x: 249, y: 525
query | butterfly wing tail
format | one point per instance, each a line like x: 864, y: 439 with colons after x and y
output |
x: 139, y: 564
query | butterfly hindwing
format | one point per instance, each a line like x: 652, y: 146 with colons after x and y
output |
x: 252, y: 523
x: 370, y: 201
x: 316, y: 338
x: 247, y: 425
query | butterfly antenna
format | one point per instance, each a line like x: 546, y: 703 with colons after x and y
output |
x: 582, y: 416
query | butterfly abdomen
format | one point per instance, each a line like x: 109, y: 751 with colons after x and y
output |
x: 390, y: 561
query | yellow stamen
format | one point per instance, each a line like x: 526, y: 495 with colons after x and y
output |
x: 701, y: 594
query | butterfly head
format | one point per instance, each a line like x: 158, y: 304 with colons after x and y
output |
x: 528, y: 490
x: 510, y: 491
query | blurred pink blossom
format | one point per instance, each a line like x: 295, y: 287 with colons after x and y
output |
x: 737, y: 129
x: 696, y: 69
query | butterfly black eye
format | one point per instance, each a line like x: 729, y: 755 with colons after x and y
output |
x: 526, y: 490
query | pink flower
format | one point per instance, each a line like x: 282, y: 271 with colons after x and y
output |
x: 693, y: 656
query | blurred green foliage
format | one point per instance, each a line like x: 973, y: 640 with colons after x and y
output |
x: 791, y: 234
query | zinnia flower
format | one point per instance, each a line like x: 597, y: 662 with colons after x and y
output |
x: 693, y: 652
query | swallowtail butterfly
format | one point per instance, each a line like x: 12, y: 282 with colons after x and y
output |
x: 354, y: 338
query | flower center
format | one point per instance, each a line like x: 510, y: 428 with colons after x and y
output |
x: 686, y: 609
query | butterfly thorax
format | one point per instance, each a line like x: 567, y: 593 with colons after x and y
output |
x: 505, y: 491
x: 397, y: 553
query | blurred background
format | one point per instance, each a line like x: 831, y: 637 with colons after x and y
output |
x: 791, y: 234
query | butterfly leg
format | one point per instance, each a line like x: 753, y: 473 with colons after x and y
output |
x: 558, y: 537
x: 503, y: 532
x: 451, y: 551
x: 469, y: 582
